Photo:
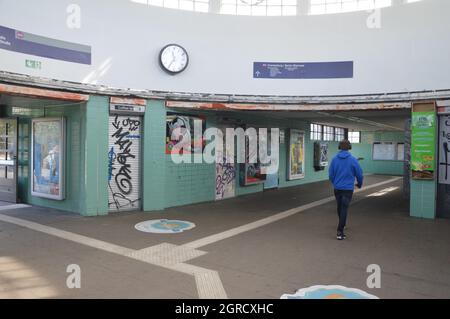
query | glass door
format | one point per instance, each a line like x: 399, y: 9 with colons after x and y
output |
x: 8, y: 160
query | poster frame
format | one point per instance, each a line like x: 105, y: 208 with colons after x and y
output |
x: 244, y: 167
x: 290, y: 176
x: 62, y: 157
x: 168, y: 141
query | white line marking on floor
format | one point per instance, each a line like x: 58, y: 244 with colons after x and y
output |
x: 87, y: 241
x: 164, y: 255
x: 14, y: 206
x: 271, y: 219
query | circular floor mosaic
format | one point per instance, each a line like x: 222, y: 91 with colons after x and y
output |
x: 164, y: 226
x: 329, y: 292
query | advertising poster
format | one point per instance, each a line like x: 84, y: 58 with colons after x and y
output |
x: 423, y: 146
x: 296, y: 167
x: 47, y: 152
x: 187, y: 140
x: 320, y: 155
x: 251, y: 173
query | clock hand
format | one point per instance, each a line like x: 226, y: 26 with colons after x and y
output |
x: 173, y: 60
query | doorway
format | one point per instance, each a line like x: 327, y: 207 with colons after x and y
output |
x: 272, y: 179
x: 225, y: 170
x: 124, y: 163
x: 8, y: 160
x: 443, y: 196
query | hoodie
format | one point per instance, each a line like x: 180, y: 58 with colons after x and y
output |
x: 343, y: 170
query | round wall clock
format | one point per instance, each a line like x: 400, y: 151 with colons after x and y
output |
x: 173, y: 59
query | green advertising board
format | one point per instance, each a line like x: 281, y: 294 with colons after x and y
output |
x: 423, y: 146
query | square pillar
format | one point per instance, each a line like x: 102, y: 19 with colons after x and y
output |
x: 154, y: 159
x: 94, y: 191
x: 424, y: 177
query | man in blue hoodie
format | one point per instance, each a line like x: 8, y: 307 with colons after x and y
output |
x: 343, y: 171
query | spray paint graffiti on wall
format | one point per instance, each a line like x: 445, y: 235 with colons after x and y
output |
x: 123, y: 162
x: 225, y: 169
x: 225, y: 179
x: 444, y: 150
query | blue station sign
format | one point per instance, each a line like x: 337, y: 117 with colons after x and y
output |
x: 299, y: 70
x: 28, y: 43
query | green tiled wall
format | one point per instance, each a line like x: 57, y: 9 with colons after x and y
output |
x: 423, y: 199
x: 188, y: 183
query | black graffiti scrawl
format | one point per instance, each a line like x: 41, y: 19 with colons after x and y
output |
x: 123, y: 162
x: 225, y: 178
x: 444, y: 145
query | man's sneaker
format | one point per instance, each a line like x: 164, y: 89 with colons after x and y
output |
x: 341, y: 236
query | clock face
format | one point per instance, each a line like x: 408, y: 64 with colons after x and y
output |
x: 173, y: 58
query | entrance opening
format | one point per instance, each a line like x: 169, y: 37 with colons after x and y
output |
x: 309, y: 140
x: 54, y: 178
x: 443, y: 193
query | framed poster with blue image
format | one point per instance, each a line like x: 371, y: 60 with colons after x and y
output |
x: 47, y: 154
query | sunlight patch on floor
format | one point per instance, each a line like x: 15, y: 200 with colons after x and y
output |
x: 17, y: 280
x: 383, y: 192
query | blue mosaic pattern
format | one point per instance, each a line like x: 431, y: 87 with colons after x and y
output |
x: 164, y: 226
x: 329, y: 292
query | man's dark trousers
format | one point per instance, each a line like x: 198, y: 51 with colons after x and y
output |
x: 343, y: 199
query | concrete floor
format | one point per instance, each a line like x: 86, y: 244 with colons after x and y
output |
x: 265, y: 262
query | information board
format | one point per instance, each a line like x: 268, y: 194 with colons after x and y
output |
x: 384, y: 151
